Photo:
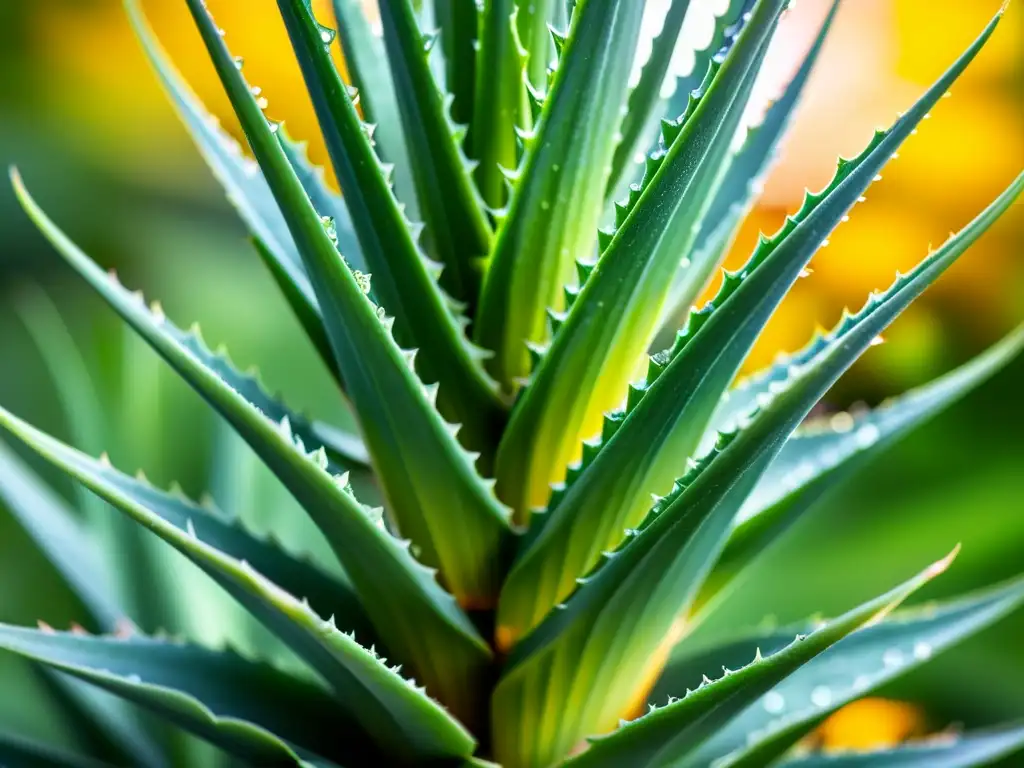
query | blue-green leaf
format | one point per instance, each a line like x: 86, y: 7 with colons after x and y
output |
x: 18, y: 752
x: 943, y: 750
x: 420, y: 622
x: 669, y: 735
x: 823, y: 453
x: 665, y: 417
x: 251, y: 710
x: 60, y: 534
x: 851, y: 669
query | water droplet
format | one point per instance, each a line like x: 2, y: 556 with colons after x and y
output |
x: 806, y: 272
x: 867, y: 435
x: 878, y: 340
x: 892, y: 657
x: 922, y: 651
x: 821, y: 696
x: 239, y: 62
x: 275, y: 127
x: 327, y: 35
x: 774, y: 703
x: 262, y: 102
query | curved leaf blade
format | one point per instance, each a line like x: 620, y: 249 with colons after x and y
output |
x: 669, y: 735
x: 945, y: 750
x: 666, y: 416
x: 822, y: 454
x: 427, y: 477
x: 419, y: 621
x: 851, y: 669
x: 594, y: 353
x: 613, y: 634
x: 403, y: 279
x: 18, y: 752
x: 251, y: 710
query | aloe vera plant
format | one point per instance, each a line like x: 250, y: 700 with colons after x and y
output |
x: 517, y: 596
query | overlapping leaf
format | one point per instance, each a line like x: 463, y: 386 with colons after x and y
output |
x: 426, y: 476
x: 250, y: 710
x: 403, y: 280
x: 553, y: 215
x: 612, y: 635
x: 851, y: 669
x: 457, y: 229
x: 822, y: 454
x: 642, y: 451
x: 402, y: 597
x: 595, y: 353
x: 670, y: 734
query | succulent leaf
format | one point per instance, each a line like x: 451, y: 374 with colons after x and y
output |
x: 499, y: 100
x: 851, y: 669
x: 670, y: 734
x: 370, y: 71
x: 611, y: 636
x: 741, y: 184
x: 555, y: 207
x: 666, y: 415
x: 459, y: 23
x: 402, y: 277
x: 823, y: 453
x: 945, y: 750
x: 401, y: 595
x: 457, y: 228
x: 595, y: 353
x: 426, y: 475
x: 237, y: 704
x: 18, y: 752
x: 62, y: 537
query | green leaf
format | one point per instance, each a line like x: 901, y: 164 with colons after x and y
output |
x: 246, y: 188
x: 823, y: 453
x: 18, y: 752
x: 327, y: 594
x: 427, y: 477
x: 595, y: 352
x: 403, y: 279
x: 555, y: 208
x: 251, y: 710
x: 741, y: 184
x: 944, y: 750
x: 499, y: 100
x: 647, y: 92
x: 609, y: 639
x: 851, y: 669
x: 457, y: 229
x: 370, y: 72
x: 373, y: 694
x: 644, y: 449
x: 75, y: 553
x: 627, y: 170
x: 420, y: 622
x: 532, y: 25
x: 58, y: 531
x: 459, y: 23
x: 670, y: 734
